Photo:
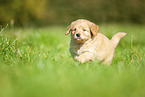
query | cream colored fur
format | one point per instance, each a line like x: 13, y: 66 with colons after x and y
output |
x: 87, y: 44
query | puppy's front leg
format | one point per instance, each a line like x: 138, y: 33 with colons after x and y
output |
x: 87, y: 56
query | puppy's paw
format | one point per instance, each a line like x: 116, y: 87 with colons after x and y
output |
x: 82, y: 60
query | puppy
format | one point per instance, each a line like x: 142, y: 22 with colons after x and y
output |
x: 87, y: 44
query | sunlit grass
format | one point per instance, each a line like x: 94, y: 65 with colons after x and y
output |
x: 35, y: 62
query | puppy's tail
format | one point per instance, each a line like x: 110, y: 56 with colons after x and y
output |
x: 116, y: 38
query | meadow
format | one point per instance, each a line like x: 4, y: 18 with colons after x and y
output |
x: 35, y: 62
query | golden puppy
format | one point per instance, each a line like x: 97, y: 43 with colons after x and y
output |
x: 87, y: 44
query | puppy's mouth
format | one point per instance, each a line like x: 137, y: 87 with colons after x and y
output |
x: 79, y: 40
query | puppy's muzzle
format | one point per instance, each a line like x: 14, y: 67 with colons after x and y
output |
x: 77, y: 37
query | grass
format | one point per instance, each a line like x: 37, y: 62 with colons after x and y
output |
x: 35, y: 62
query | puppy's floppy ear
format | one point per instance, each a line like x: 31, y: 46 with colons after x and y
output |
x: 94, y: 29
x: 68, y: 29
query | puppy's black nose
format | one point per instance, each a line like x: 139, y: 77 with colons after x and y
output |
x: 78, y: 35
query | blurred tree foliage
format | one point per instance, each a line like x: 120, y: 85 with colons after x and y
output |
x: 22, y: 11
x: 45, y: 12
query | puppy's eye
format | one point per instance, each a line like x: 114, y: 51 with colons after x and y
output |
x: 84, y: 29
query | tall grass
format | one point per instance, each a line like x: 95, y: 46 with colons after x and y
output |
x: 35, y: 62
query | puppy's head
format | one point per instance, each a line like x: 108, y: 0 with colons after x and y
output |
x: 82, y: 30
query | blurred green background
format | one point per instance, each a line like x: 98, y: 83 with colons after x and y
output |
x: 62, y: 12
